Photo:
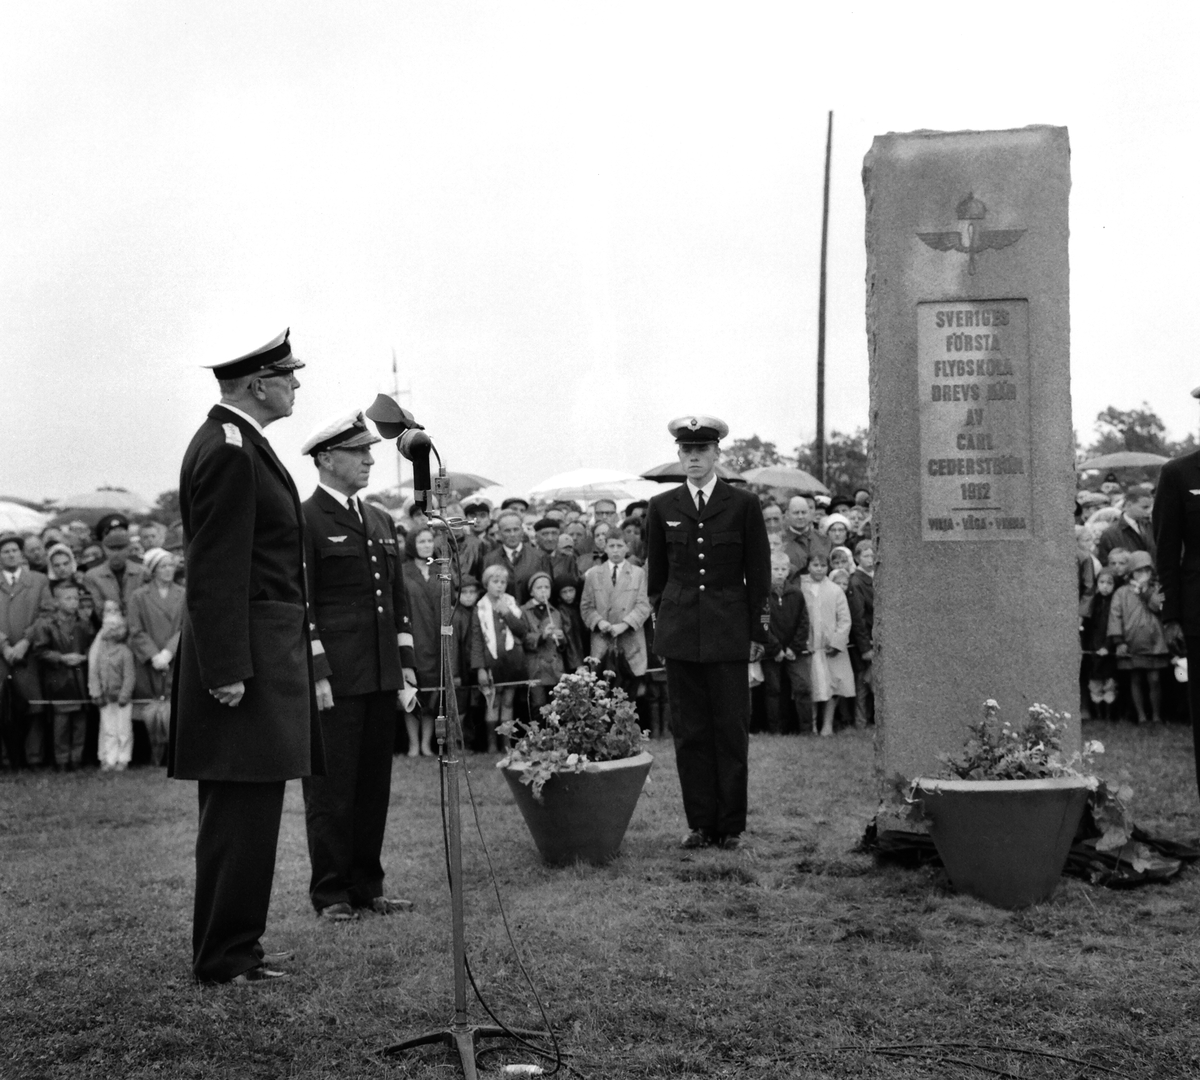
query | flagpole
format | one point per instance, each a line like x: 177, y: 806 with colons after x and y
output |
x: 821, y: 311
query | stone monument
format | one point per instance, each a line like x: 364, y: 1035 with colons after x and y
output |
x: 972, y: 448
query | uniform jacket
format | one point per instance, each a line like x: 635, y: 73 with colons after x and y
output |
x: 530, y: 560
x: 788, y: 627
x: 361, y: 634
x: 101, y: 582
x: 155, y: 623
x: 52, y: 639
x: 21, y: 605
x: 627, y: 602
x: 1176, y: 520
x: 708, y: 578
x: 246, y: 617
x: 1121, y: 534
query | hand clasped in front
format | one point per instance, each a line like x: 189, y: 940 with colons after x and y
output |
x: 230, y: 695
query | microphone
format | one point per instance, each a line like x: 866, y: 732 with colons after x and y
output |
x: 415, y: 445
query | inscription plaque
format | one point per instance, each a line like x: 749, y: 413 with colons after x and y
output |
x: 974, y: 380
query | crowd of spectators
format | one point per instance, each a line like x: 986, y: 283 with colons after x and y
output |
x: 1126, y: 663
x: 90, y: 619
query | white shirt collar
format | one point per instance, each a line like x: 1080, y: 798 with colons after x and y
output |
x: 1135, y: 525
x: 12, y: 576
x: 245, y: 416
x: 707, y: 489
x: 339, y: 497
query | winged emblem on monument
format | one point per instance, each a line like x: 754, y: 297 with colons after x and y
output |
x: 978, y: 239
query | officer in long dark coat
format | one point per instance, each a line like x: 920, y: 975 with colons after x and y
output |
x: 244, y: 717
x: 1176, y: 522
x: 709, y: 578
x: 362, y: 642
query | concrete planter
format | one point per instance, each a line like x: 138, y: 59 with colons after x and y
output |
x: 1004, y: 841
x: 582, y: 815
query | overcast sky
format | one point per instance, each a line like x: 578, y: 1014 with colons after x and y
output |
x: 572, y: 222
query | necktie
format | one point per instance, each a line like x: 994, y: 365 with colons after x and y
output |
x: 700, y: 500
x: 614, y: 574
x: 352, y: 502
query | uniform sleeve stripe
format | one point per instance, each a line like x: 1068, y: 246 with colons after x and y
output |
x: 317, y: 648
x: 404, y: 641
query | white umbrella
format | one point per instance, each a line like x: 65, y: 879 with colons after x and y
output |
x: 128, y: 502
x: 586, y: 485
x: 17, y: 518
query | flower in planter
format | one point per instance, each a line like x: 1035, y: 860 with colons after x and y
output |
x: 588, y: 719
x: 996, y: 750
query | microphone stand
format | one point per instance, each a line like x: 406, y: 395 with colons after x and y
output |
x: 460, y: 1033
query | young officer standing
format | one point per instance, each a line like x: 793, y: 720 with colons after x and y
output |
x: 709, y: 577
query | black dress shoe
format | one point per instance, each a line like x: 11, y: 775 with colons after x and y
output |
x: 278, y: 957
x: 258, y: 976
x: 696, y: 839
x: 341, y: 912
x: 730, y: 843
x: 385, y: 905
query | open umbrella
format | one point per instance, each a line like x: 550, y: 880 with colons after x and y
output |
x: 586, y: 485
x: 464, y: 483
x: 671, y: 472
x: 784, y: 476
x: 1123, y: 459
x: 125, y: 502
x: 22, y: 519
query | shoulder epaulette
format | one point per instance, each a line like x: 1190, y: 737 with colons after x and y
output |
x: 233, y: 434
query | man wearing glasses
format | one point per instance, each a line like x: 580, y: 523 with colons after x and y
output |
x: 244, y: 720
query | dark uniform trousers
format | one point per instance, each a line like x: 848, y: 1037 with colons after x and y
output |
x: 344, y: 811
x: 361, y: 617
x: 235, y: 865
x: 1193, y: 663
x: 710, y: 720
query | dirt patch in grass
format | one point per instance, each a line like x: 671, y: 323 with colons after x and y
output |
x: 793, y: 957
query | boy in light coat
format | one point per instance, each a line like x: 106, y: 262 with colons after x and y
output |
x: 615, y: 605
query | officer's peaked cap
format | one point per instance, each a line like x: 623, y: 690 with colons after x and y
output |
x: 345, y: 432
x: 275, y: 355
x: 698, y: 429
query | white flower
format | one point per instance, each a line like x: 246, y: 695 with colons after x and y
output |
x: 572, y: 759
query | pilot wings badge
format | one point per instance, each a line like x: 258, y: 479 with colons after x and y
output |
x: 978, y: 239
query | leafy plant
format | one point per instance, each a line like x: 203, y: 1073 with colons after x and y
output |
x: 996, y: 750
x: 588, y: 719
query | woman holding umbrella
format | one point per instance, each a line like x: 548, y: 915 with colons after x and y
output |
x: 155, y: 620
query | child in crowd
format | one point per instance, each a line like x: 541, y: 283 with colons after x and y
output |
x: 1118, y: 563
x: 1136, y: 634
x: 829, y: 616
x: 840, y: 558
x: 1101, y: 667
x: 547, y: 651
x: 60, y: 642
x: 787, y: 648
x: 861, y: 598
x: 111, y: 675
x: 565, y: 597
x: 497, y: 656
x: 614, y: 608
x: 460, y: 663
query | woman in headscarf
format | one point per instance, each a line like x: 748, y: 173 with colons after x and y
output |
x: 155, y: 619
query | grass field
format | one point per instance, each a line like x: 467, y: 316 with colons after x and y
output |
x: 786, y: 959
